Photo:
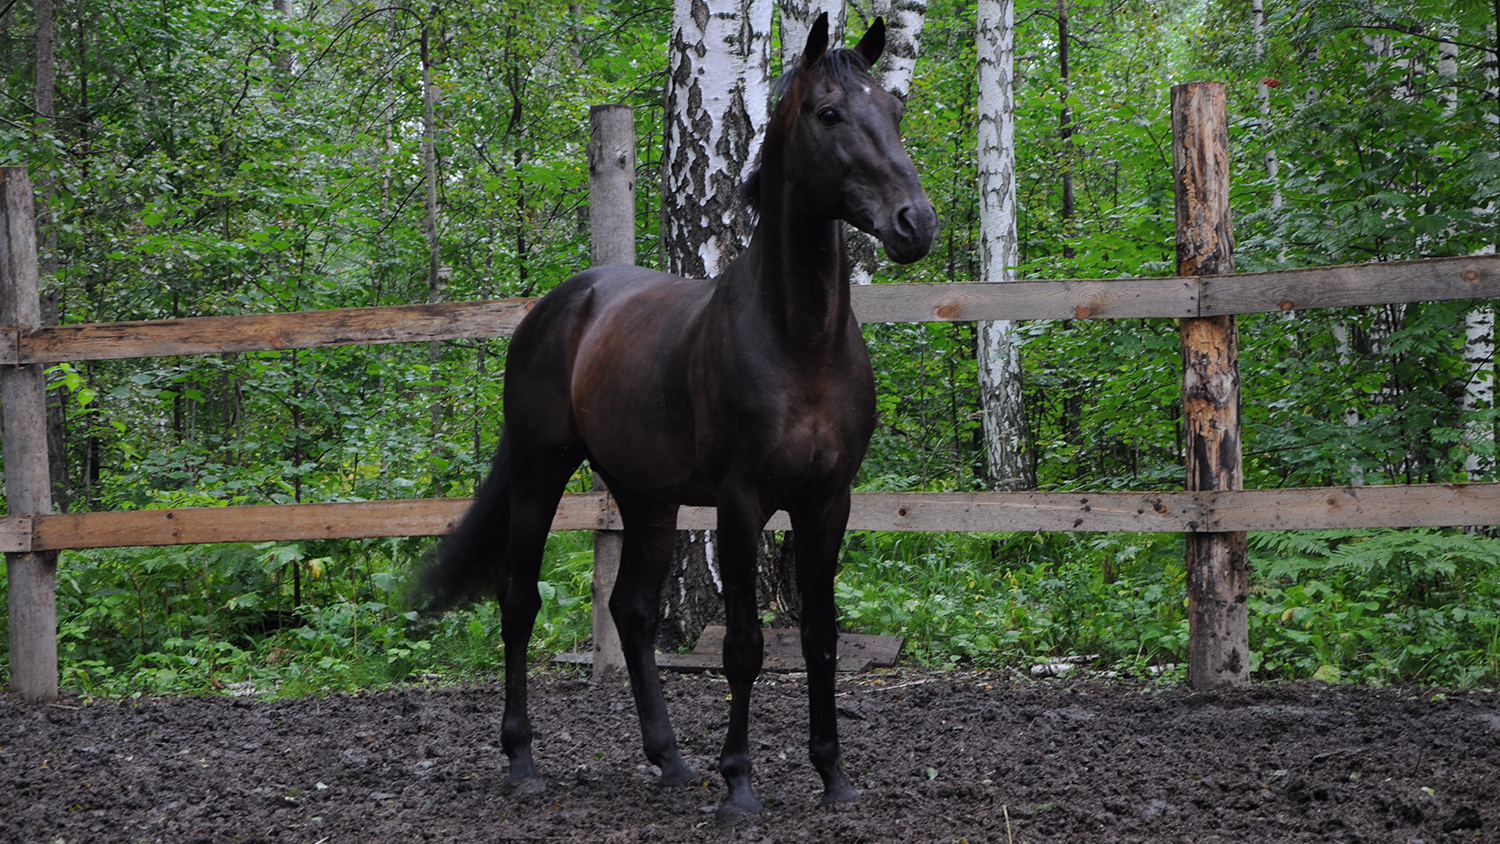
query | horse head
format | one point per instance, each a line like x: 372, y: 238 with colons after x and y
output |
x: 836, y: 132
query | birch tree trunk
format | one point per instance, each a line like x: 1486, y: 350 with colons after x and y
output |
x: 903, y: 41
x: 718, y: 98
x: 1006, y: 443
x: 1263, y: 98
x: 718, y: 88
x: 1479, y: 323
x: 797, y: 18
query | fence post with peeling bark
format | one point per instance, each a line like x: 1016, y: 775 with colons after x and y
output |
x: 612, y: 241
x: 1218, y: 580
x: 32, y: 575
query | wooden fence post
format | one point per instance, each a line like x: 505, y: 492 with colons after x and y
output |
x: 612, y: 241
x: 32, y: 576
x: 1217, y: 571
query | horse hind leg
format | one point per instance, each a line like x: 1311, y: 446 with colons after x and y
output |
x: 537, y: 483
x: 650, y: 537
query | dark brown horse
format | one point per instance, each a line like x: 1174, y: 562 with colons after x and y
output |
x: 751, y: 392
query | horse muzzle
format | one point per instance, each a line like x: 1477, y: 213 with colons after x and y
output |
x: 912, y: 229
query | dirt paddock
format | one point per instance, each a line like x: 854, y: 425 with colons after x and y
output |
x: 938, y: 756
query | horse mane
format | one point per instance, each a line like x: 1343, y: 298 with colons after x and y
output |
x: 841, y: 66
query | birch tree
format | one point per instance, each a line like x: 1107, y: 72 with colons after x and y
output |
x: 1006, y: 445
x: 1479, y: 323
x: 797, y: 18
x: 718, y: 98
x: 903, y: 41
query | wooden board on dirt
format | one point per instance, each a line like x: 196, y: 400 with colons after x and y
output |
x: 786, y: 643
x: 856, y: 652
x: 696, y: 663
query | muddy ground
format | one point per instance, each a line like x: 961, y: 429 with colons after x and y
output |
x: 958, y: 756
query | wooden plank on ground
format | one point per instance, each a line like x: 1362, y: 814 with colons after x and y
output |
x: 15, y: 534
x: 1062, y: 299
x: 699, y: 663
x: 266, y: 332
x: 1431, y: 280
x: 785, y: 643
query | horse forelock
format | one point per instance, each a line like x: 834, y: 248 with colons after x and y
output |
x: 843, y: 67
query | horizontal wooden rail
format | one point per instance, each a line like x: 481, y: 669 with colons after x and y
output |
x: 1427, y: 505
x: 1440, y: 279
x: 265, y: 332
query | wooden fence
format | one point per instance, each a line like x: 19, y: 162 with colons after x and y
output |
x: 31, y: 535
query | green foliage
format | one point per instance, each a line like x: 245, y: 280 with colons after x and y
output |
x: 176, y: 621
x: 1008, y: 598
x: 1378, y: 607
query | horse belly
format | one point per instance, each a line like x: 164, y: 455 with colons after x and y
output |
x: 632, y: 406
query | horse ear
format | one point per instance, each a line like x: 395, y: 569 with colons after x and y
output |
x: 873, y: 43
x: 817, y: 42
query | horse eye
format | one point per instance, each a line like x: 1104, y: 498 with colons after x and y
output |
x: 828, y: 116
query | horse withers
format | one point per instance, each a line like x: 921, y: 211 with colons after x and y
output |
x: 751, y: 392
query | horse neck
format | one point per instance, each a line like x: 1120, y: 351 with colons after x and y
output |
x: 802, y: 268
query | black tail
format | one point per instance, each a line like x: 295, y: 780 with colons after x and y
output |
x: 469, y: 564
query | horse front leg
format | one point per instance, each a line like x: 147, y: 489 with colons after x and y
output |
x: 744, y: 648
x: 650, y: 537
x: 818, y: 531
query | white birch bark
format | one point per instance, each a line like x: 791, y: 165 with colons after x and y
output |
x: 1263, y: 97
x: 797, y: 18
x: 717, y: 102
x: 999, y: 249
x: 903, y: 42
x: 1479, y: 323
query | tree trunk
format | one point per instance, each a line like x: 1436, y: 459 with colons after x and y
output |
x: 437, y: 274
x: 1006, y: 441
x: 1479, y: 323
x: 1065, y: 126
x: 716, y: 111
x: 1263, y: 97
x: 717, y: 107
x: 46, y: 223
x: 903, y: 41
x: 797, y: 18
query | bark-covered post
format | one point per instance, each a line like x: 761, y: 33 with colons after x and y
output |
x: 32, y: 577
x: 1217, y: 571
x: 612, y: 241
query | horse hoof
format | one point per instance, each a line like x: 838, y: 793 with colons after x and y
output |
x: 734, y: 808
x: 679, y: 774
x: 523, y: 786
x: 843, y: 795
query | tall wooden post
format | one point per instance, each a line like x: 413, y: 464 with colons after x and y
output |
x: 32, y: 576
x: 1218, y: 579
x: 612, y: 240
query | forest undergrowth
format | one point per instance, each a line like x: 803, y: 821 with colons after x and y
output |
x: 1381, y: 607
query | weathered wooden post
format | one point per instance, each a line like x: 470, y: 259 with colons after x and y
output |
x: 1218, y: 579
x: 612, y: 241
x: 32, y: 576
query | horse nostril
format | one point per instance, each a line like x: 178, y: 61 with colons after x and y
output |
x: 906, y: 221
